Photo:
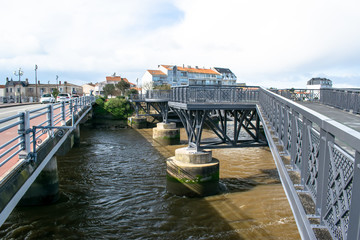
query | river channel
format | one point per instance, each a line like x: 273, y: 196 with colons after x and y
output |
x: 114, y: 187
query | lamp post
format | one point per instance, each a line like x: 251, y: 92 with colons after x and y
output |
x: 19, y: 73
x: 57, y: 82
x: 36, y: 95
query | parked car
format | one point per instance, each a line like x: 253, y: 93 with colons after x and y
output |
x: 63, y: 97
x: 47, y: 98
x: 75, y: 96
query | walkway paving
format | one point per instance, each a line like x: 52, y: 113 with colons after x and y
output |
x: 348, y: 119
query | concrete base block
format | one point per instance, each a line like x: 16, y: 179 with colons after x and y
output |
x: 137, y: 122
x: 45, y: 189
x: 166, y: 134
x: 194, y: 175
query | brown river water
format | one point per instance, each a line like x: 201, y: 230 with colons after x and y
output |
x: 114, y: 187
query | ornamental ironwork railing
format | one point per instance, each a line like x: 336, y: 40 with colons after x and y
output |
x: 329, y: 171
x: 214, y: 94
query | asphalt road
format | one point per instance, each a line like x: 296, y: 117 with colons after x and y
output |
x: 13, y: 110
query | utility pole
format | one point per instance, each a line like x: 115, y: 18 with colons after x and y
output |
x: 19, y: 73
x: 57, y: 82
x: 36, y: 95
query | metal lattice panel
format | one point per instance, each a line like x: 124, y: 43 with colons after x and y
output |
x: 299, y: 134
x: 341, y: 171
x: 313, y: 164
x: 289, y: 131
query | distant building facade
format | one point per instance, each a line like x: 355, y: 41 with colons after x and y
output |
x: 318, y: 83
x: 88, y: 89
x: 23, y: 90
x: 98, y: 88
x: 180, y: 75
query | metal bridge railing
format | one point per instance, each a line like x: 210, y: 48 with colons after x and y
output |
x: 214, y: 94
x: 22, y: 133
x: 346, y: 99
x: 329, y: 171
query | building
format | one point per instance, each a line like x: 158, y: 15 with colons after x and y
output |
x: 88, y: 89
x: 98, y: 89
x: 27, y: 92
x: 318, y: 83
x: 227, y: 76
x: 315, y: 84
x: 180, y: 75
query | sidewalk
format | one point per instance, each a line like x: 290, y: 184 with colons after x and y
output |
x: 5, y: 105
x: 348, y: 119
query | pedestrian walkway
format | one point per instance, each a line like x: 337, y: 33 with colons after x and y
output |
x: 348, y: 119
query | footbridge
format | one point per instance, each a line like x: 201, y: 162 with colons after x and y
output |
x: 317, y: 158
x: 29, y: 143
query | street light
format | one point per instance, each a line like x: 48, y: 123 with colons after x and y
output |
x: 57, y: 82
x: 36, y: 96
x: 19, y: 73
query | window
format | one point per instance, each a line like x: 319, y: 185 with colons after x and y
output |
x: 7, y: 90
x: 10, y: 89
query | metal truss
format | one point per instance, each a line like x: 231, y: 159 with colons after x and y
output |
x: 225, y: 124
x: 161, y: 108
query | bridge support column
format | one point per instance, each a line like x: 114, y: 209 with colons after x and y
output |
x: 192, y: 173
x: 137, y: 122
x: 45, y: 189
x: 166, y: 134
x: 76, y: 133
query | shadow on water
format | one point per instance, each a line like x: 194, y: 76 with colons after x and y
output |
x: 114, y: 187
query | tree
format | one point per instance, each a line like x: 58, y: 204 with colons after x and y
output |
x: 122, y: 86
x: 148, y: 86
x: 55, y: 92
x: 109, y: 89
x: 163, y: 87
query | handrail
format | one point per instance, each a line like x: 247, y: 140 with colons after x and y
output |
x: 329, y: 171
x: 17, y: 136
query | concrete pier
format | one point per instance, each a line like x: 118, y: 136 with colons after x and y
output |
x: 45, y: 189
x: 166, y: 134
x: 193, y: 174
x: 76, y: 133
x: 137, y: 122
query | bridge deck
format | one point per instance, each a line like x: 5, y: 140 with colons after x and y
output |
x: 348, y: 119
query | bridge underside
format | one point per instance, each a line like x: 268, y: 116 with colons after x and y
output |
x: 151, y: 108
x: 233, y: 126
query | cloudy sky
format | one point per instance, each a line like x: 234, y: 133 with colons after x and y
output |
x: 279, y: 43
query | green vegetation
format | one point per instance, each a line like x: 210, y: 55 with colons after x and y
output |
x: 55, y: 93
x: 119, y: 108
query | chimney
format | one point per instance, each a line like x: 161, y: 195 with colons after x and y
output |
x: 59, y: 82
x: 39, y: 82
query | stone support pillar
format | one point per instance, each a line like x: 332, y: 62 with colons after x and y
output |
x: 76, y: 133
x: 137, y: 122
x: 191, y: 173
x: 166, y: 134
x: 45, y: 189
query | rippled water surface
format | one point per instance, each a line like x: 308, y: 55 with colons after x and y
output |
x: 114, y: 187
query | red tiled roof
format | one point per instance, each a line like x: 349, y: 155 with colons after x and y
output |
x: 2, y: 86
x: 193, y: 70
x: 111, y: 78
x: 156, y: 72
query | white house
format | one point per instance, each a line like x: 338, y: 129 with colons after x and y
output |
x: 227, y: 76
x: 318, y: 83
x: 181, y: 75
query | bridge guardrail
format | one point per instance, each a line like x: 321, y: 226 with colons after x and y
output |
x: 347, y: 99
x: 20, y: 139
x: 329, y: 172
x: 214, y: 94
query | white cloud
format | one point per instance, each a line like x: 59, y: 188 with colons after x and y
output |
x: 275, y: 43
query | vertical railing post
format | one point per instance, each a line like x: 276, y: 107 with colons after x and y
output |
x: 354, y: 220
x: 50, y: 118
x: 322, y: 174
x: 71, y: 110
x: 63, y: 113
x: 286, y: 114
x: 294, y: 133
x: 305, y: 148
x: 25, y: 138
